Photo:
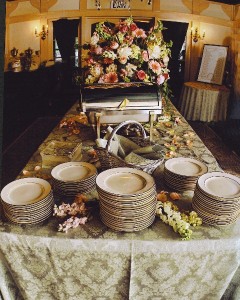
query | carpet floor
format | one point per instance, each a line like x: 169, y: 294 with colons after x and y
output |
x: 223, y: 151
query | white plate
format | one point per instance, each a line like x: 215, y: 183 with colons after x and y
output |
x: 220, y: 184
x: 186, y: 166
x: 25, y: 191
x: 73, y: 171
x: 124, y: 181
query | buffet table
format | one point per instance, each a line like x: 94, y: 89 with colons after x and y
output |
x: 94, y: 262
x: 204, y: 102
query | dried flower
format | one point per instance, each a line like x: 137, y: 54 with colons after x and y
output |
x: 174, y: 196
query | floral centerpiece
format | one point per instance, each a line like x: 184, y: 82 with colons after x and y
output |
x: 126, y: 53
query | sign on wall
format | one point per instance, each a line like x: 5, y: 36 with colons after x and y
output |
x: 213, y: 64
x: 120, y: 4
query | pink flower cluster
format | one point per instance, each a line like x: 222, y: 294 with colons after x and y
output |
x: 127, y: 53
x: 72, y: 222
x: 74, y: 210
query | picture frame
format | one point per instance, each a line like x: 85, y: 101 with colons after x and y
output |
x: 213, y: 64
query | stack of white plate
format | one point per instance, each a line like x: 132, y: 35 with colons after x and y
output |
x: 182, y: 173
x: 72, y: 178
x: 127, y: 199
x: 27, y: 201
x: 217, y: 198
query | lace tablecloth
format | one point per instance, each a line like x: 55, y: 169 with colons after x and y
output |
x: 94, y: 262
x: 204, y: 102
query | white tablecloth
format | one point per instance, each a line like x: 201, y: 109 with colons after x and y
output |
x: 95, y: 263
x: 204, y: 102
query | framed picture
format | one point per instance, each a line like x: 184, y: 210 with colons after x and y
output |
x: 213, y: 64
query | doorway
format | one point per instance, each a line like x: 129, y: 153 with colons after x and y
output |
x: 176, y: 32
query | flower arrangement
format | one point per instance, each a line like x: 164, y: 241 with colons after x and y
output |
x: 126, y: 53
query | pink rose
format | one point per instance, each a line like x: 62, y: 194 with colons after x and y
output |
x: 160, y: 79
x: 123, y: 60
x: 98, y: 50
x: 141, y: 75
x: 114, y: 45
x: 145, y: 55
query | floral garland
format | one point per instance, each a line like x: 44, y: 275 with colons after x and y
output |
x: 126, y: 53
x: 169, y: 213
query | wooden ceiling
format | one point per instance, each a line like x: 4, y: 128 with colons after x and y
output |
x: 221, y: 1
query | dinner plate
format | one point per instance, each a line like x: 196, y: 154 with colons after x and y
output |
x: 220, y: 184
x: 25, y: 191
x: 186, y: 166
x: 73, y: 171
x: 124, y: 181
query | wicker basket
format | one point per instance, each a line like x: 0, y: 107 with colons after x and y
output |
x: 109, y: 160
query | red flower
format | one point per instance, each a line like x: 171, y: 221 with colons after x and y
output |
x: 133, y: 27
x: 141, y: 75
x: 107, y: 61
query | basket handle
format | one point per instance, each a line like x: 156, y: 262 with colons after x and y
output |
x: 120, y: 126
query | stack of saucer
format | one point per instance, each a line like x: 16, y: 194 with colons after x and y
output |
x: 72, y: 178
x: 27, y: 201
x: 127, y: 199
x: 182, y: 173
x: 217, y: 198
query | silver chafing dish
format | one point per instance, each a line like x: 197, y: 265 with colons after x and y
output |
x: 105, y: 103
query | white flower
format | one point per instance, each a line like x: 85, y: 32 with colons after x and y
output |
x: 94, y: 39
x: 109, y: 54
x: 124, y: 51
x: 154, y: 52
x: 130, y: 68
x: 170, y: 215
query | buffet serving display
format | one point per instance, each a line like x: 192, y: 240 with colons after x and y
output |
x: 47, y: 259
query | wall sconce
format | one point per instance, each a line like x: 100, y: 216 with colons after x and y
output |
x: 43, y: 33
x: 196, y: 35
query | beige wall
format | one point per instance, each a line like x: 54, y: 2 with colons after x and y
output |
x: 220, y: 21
